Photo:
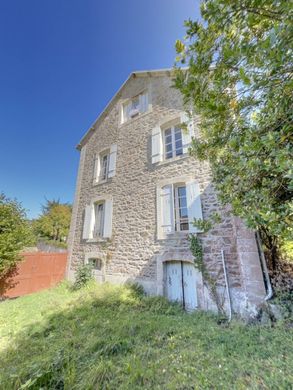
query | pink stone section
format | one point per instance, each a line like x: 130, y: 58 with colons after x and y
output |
x: 248, y: 255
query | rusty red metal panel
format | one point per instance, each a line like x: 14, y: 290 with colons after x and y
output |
x: 37, y: 271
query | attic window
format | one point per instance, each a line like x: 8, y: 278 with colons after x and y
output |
x: 134, y: 107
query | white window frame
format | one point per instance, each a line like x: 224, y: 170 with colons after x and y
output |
x: 172, y: 129
x: 175, y: 182
x: 89, y: 221
x: 98, y: 234
x: 158, y: 138
x: 103, y: 176
x: 178, y: 220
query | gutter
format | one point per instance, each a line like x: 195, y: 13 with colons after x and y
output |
x: 264, y: 269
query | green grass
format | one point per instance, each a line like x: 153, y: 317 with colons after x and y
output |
x: 105, y: 337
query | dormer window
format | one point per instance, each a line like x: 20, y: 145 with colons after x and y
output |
x: 134, y: 107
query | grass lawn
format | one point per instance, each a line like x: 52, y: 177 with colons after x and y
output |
x: 105, y: 337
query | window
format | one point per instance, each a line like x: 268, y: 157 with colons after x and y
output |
x: 135, y: 106
x: 99, y: 210
x: 178, y: 204
x: 132, y: 108
x: 98, y: 219
x: 105, y: 164
x: 172, y: 139
x: 180, y: 207
x: 95, y: 263
x: 173, y: 142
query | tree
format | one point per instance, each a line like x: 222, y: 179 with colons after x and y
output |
x: 15, y: 233
x: 239, y: 80
x: 54, y: 223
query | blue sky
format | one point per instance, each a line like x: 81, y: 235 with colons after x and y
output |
x: 61, y: 62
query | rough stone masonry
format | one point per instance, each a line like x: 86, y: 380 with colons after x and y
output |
x: 134, y: 252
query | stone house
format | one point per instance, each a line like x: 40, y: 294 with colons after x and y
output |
x: 137, y: 193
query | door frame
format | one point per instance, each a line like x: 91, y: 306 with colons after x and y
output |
x: 165, y: 283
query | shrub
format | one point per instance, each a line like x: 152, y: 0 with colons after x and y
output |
x: 136, y: 289
x: 82, y: 276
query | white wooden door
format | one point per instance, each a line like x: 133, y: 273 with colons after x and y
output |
x: 174, y: 281
x: 189, y: 287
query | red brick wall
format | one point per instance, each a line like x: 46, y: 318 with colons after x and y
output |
x: 37, y: 271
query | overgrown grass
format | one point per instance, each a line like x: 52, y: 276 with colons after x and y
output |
x: 104, y: 337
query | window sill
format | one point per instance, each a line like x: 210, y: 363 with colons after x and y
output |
x: 97, y: 183
x: 96, y: 240
x: 178, y: 235
x: 171, y: 160
x: 132, y: 120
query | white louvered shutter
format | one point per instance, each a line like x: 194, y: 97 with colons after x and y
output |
x: 108, y: 219
x: 97, y: 167
x: 87, y: 224
x: 193, y: 204
x: 157, y: 146
x: 167, y: 210
x: 112, y: 160
x: 143, y: 102
x: 187, y: 133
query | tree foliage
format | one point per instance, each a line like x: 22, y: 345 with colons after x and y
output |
x: 239, y: 80
x: 15, y: 233
x: 54, y: 223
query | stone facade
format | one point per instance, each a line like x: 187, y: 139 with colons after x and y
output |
x: 134, y: 252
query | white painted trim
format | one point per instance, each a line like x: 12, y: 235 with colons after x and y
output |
x: 125, y: 102
x: 165, y: 123
x: 170, y: 181
x: 96, y: 180
x: 97, y: 199
x: 174, y: 180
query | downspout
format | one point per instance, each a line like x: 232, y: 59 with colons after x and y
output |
x: 264, y: 269
x: 227, y: 286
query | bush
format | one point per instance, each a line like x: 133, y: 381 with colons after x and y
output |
x: 82, y: 276
x: 136, y: 289
x: 15, y: 234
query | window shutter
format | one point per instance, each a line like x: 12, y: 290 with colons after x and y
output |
x: 193, y: 205
x: 166, y: 210
x: 188, y: 132
x: 143, y: 102
x: 87, y: 223
x: 108, y: 219
x: 97, y: 167
x: 157, y: 146
x: 112, y: 160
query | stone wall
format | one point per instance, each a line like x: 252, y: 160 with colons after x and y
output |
x: 134, y: 252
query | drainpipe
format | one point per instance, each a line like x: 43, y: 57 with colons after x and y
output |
x: 264, y: 269
x: 227, y: 285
